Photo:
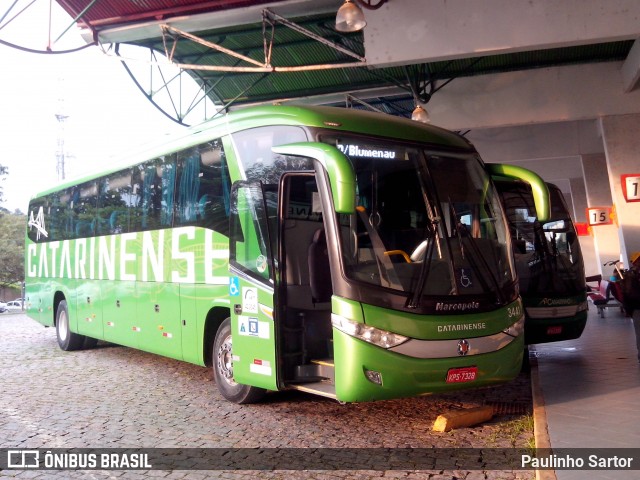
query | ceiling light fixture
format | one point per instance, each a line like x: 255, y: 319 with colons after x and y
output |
x: 419, y: 114
x: 350, y: 18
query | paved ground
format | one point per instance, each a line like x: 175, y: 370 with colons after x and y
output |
x: 591, y: 389
x: 118, y: 397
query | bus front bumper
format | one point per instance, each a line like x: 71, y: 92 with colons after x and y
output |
x: 545, y: 330
x: 360, y: 365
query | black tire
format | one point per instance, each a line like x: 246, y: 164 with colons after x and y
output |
x: 223, y: 370
x: 67, y: 340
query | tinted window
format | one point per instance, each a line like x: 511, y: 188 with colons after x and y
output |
x: 190, y: 187
x: 113, y: 204
x: 257, y: 159
x: 85, y: 209
x: 202, y: 192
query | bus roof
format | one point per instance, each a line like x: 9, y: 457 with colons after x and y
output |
x: 345, y: 119
x: 331, y: 118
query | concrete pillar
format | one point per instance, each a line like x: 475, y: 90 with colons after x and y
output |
x: 587, y: 243
x: 607, y: 245
x: 621, y: 137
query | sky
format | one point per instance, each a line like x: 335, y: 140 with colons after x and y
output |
x: 106, y: 112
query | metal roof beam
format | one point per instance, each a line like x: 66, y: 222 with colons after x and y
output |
x: 211, y: 55
x: 132, y: 33
x: 171, y: 34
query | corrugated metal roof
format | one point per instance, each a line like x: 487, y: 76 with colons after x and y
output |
x: 117, y: 12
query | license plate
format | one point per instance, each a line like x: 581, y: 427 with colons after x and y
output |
x: 464, y: 374
x: 554, y: 330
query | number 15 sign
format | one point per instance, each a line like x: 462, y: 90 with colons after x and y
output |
x: 631, y: 187
x: 599, y: 216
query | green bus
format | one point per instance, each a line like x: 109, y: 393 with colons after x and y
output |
x: 549, y: 264
x: 349, y: 254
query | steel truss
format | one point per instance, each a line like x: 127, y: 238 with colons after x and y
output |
x: 158, y: 83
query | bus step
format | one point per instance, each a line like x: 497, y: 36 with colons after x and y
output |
x: 318, y: 388
x: 318, y: 369
x: 292, y: 329
x: 296, y: 353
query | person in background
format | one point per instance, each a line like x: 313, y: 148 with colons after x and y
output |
x: 634, y: 273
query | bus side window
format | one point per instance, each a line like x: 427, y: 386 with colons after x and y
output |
x: 259, y: 162
x: 155, y: 203
x: 135, y: 199
x: 202, y: 194
x: 62, y: 226
x: 151, y: 195
x: 113, y: 215
x: 215, y: 186
x: 249, y: 249
x: 72, y: 217
x: 85, y: 210
x: 168, y: 166
x: 187, y: 187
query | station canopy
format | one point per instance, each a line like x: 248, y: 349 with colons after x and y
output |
x: 243, y: 52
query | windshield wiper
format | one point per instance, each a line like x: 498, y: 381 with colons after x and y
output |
x: 425, y: 268
x: 478, y: 254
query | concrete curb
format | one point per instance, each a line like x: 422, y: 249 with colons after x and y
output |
x: 540, y: 428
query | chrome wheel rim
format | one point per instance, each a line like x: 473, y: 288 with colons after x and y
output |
x: 225, y: 361
x: 63, y: 325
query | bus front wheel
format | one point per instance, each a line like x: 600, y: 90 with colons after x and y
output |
x: 223, y: 369
x: 67, y: 340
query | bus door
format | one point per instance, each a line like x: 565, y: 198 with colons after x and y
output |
x: 304, y: 290
x: 280, y: 277
x: 251, y: 284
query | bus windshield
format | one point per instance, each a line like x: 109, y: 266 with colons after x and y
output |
x: 426, y: 223
x: 548, y: 256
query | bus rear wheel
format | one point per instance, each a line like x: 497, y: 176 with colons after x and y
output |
x: 67, y: 340
x: 223, y: 369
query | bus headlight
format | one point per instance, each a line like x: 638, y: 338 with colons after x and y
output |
x: 583, y: 306
x: 373, y: 335
x: 516, y: 329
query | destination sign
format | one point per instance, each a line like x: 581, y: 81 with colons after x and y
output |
x: 369, y: 151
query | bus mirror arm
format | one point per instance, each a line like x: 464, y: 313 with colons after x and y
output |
x: 541, y: 196
x: 342, y: 178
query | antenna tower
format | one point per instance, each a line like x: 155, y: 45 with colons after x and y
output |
x: 60, y: 151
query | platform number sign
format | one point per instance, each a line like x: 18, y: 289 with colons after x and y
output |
x: 631, y: 187
x: 599, y: 216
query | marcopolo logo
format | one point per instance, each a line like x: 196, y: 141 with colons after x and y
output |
x: 456, y: 307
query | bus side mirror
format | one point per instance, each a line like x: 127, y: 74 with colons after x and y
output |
x: 541, y: 196
x: 339, y: 169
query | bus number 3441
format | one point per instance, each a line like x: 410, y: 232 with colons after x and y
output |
x: 515, y: 311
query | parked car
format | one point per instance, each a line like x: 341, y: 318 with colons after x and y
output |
x: 13, y: 305
x: 3, y: 307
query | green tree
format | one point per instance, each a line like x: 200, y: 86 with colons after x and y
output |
x: 3, y: 171
x: 12, y: 232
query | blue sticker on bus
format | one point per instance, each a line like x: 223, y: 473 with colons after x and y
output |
x: 234, y: 286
